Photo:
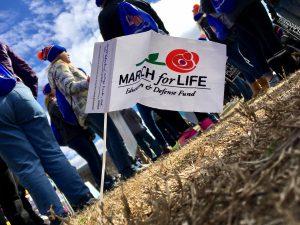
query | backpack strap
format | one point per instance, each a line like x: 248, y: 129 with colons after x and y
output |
x: 135, y: 20
x: 71, y: 98
x: 7, y: 81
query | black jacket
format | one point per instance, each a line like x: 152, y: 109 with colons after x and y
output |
x: 66, y: 130
x: 109, y: 22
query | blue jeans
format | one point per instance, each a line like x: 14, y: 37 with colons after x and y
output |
x: 243, y: 88
x: 256, y: 21
x: 88, y: 151
x: 144, y: 139
x: 30, y: 150
x: 170, y: 134
x: 146, y: 115
x: 246, y: 54
x: 237, y: 60
x: 115, y: 144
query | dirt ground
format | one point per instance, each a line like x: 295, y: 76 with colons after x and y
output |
x: 246, y: 170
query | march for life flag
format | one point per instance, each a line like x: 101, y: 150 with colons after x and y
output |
x: 158, y: 71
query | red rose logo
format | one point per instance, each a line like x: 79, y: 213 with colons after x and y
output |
x: 182, y: 61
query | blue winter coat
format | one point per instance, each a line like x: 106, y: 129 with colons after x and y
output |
x: 224, y: 6
x: 230, y: 9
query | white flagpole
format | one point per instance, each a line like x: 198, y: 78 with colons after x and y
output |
x: 103, y: 159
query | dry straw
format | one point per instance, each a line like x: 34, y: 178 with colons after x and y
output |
x: 244, y: 171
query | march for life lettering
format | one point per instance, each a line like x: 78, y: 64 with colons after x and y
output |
x: 179, y: 61
x: 158, y: 71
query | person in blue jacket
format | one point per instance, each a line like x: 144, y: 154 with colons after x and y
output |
x: 241, y: 16
x: 77, y: 138
x: 243, y: 49
x: 29, y: 148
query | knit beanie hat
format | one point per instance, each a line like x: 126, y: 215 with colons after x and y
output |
x: 196, y: 9
x: 50, y: 52
x: 47, y: 89
x: 196, y: 12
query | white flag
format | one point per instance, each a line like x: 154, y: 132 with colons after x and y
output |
x: 158, y: 71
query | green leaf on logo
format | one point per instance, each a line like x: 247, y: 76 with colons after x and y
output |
x: 153, y: 57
